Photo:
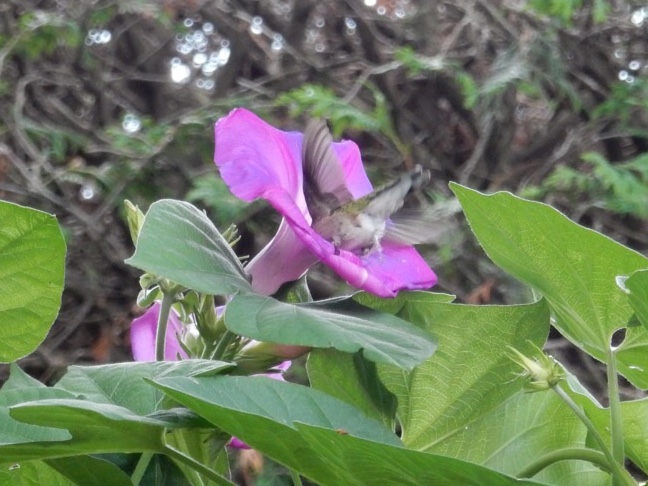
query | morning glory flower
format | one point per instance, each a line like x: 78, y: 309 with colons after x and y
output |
x: 257, y: 160
x: 142, y: 335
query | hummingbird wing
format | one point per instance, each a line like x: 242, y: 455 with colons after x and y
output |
x: 324, y: 180
x: 388, y: 199
x: 424, y: 225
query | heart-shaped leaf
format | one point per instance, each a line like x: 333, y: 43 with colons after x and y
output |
x: 573, y: 267
x: 32, y: 265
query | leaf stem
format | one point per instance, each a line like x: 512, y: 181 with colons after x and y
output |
x: 225, y: 340
x: 197, y: 466
x: 616, y: 418
x: 163, y: 321
x: 140, y: 468
x: 295, y: 478
x: 619, y: 474
x: 568, y: 453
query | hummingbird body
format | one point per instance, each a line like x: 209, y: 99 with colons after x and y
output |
x: 353, y: 225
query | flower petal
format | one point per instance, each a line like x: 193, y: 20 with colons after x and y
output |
x: 142, y: 335
x: 383, y: 273
x: 284, y: 259
x: 257, y: 160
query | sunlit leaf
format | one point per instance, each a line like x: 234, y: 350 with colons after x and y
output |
x: 32, y: 264
x: 575, y: 269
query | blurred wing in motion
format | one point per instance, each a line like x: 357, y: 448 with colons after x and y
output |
x: 324, y: 181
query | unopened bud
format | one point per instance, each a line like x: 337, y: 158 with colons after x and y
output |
x: 542, y: 372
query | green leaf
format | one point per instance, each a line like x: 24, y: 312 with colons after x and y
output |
x: 519, y: 431
x: 636, y: 286
x: 124, y: 384
x: 32, y: 265
x: 634, y: 414
x: 470, y: 374
x: 33, y: 473
x: 95, y: 428
x: 395, y: 305
x: 354, y: 380
x: 341, y: 324
x: 573, y: 267
x: 465, y: 401
x: 323, y: 439
x: 18, y: 379
x: 89, y: 471
x: 14, y: 432
x: 177, y: 241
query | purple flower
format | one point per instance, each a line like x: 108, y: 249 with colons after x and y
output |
x: 142, y: 335
x: 257, y: 160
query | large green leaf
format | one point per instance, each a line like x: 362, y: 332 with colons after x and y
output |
x: 322, y: 438
x: 179, y: 242
x: 95, y: 428
x: 470, y: 374
x: 124, y: 384
x: 465, y: 402
x: 32, y: 265
x: 573, y: 267
x: 518, y: 432
x: 341, y: 324
x: 14, y: 432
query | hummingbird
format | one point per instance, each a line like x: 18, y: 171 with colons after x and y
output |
x: 357, y: 225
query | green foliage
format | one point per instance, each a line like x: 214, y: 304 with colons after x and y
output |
x: 340, y: 324
x: 623, y: 103
x: 211, y: 190
x: 40, y: 33
x: 565, y: 10
x: 59, y: 143
x: 417, y: 64
x: 619, y: 187
x: 320, y: 101
x: 566, y: 263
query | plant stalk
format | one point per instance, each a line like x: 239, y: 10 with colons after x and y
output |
x: 569, y: 453
x: 296, y: 479
x: 196, y: 466
x: 619, y: 474
x: 163, y: 322
x: 140, y: 467
x: 616, y: 417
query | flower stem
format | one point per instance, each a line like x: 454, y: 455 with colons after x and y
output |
x: 163, y: 321
x: 569, y: 453
x: 196, y: 466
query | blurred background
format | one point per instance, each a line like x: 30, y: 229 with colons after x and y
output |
x: 102, y: 101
